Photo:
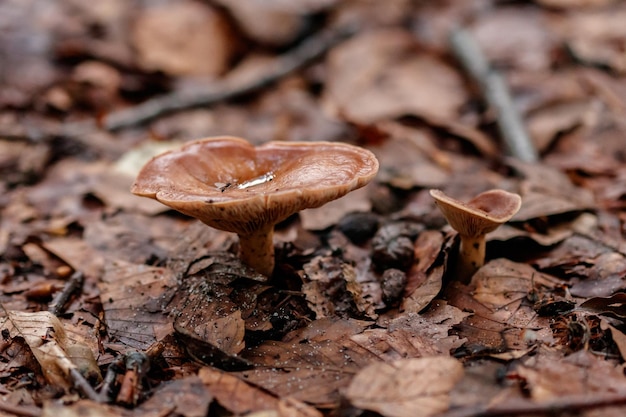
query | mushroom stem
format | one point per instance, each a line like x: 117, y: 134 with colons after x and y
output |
x: 471, y: 256
x: 257, y: 250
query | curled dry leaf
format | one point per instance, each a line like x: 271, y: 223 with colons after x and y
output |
x: 406, y: 387
x: 331, y: 288
x: 45, y: 336
x: 425, y: 277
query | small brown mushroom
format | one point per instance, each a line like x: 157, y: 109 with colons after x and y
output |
x: 473, y: 220
x: 230, y: 185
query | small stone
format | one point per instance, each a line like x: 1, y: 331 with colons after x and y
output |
x: 392, y: 284
x: 392, y: 245
x: 358, y: 226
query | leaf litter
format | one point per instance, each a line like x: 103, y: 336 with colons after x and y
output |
x: 363, y: 316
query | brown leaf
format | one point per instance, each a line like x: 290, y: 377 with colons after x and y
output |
x: 377, y: 75
x: 544, y: 125
x: 614, y: 306
x: 240, y: 398
x: 56, y: 353
x: 330, y: 213
x: 434, y: 325
x: 161, y: 37
x: 188, y: 397
x: 235, y: 395
x: 406, y: 387
x: 405, y: 165
x: 80, y: 408
x: 548, y: 375
x: 591, y: 35
x: 424, y: 278
x: 503, y: 317
x: 331, y: 289
x: 516, y: 37
x: 133, y: 298
x: 598, y: 270
x: 312, y: 365
x: 617, y: 335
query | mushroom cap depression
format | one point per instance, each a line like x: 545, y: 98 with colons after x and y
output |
x: 482, y: 214
x: 232, y: 185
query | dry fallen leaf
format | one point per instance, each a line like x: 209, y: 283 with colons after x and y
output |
x: 183, y: 38
x: 379, y: 75
x: 45, y: 336
x: 239, y: 397
x: 133, y: 298
x: 499, y: 297
x: 425, y: 278
x: 406, y: 387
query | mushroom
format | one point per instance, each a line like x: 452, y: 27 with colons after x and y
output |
x: 230, y: 185
x: 473, y: 220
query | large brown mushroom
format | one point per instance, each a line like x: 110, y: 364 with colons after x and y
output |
x: 473, y: 220
x: 230, y: 185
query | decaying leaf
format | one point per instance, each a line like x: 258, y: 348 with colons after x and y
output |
x: 331, y: 288
x: 378, y: 75
x: 425, y: 278
x: 548, y: 375
x: 134, y: 298
x: 240, y: 397
x: 188, y: 397
x: 312, y: 364
x: 406, y: 387
x: 161, y: 37
x: 414, y: 335
x: 499, y: 297
x: 614, y: 306
x: 45, y: 336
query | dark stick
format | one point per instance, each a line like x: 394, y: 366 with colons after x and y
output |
x: 496, y: 94
x: 57, y: 305
x: 301, y: 55
x: 83, y: 385
x: 283, y: 65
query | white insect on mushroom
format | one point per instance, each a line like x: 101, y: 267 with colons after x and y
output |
x: 231, y: 185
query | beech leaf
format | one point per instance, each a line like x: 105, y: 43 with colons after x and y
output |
x: 406, y: 387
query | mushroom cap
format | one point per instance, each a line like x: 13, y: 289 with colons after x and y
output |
x: 482, y: 214
x: 232, y: 185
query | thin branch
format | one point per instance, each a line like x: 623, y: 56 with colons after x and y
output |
x: 496, y: 94
x: 300, y: 56
x: 57, y: 305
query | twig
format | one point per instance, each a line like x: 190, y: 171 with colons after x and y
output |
x: 283, y: 65
x: 527, y: 407
x: 83, y: 385
x: 497, y: 95
x: 57, y: 305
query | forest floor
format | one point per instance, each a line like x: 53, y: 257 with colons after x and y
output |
x: 112, y: 304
